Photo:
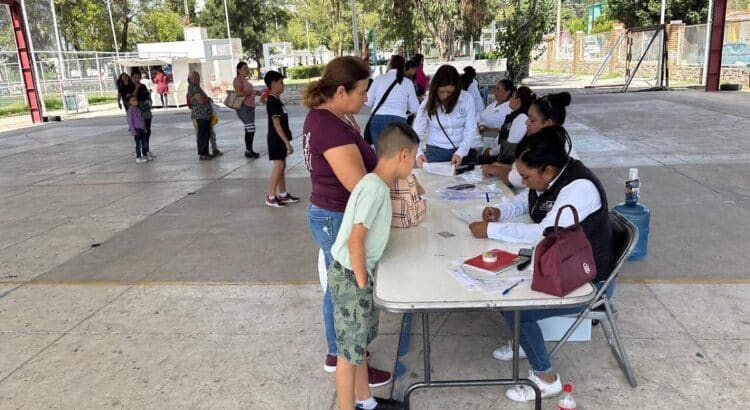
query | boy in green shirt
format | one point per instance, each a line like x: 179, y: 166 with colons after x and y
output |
x: 359, y: 245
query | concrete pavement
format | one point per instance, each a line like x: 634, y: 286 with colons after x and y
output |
x: 163, y: 285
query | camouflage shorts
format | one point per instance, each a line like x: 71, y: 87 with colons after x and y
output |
x: 354, y: 314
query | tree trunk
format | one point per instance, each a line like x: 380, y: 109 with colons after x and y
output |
x: 125, y: 23
x: 443, y: 33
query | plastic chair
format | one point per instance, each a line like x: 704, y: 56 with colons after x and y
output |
x: 625, y: 237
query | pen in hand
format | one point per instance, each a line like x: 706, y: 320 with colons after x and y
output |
x: 487, y: 195
x: 506, y: 291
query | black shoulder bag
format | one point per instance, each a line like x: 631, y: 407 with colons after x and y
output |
x: 471, y: 156
x: 368, y: 135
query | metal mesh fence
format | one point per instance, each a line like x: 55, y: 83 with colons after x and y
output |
x: 92, y: 73
x: 693, y: 45
x: 596, y: 46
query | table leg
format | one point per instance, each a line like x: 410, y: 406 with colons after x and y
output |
x: 402, y: 348
x: 428, y: 383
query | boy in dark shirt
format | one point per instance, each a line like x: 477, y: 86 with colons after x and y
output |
x: 279, y: 141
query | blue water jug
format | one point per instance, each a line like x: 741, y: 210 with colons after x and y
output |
x: 640, y: 216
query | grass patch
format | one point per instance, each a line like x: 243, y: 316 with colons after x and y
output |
x: 15, y: 105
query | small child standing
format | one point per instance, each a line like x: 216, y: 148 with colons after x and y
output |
x: 137, y: 128
x: 279, y: 141
x: 359, y: 245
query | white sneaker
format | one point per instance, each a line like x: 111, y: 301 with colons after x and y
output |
x: 141, y: 160
x: 149, y: 157
x: 505, y: 353
x: 522, y: 393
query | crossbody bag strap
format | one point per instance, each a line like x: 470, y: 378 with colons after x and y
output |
x: 437, y: 116
x: 382, y: 100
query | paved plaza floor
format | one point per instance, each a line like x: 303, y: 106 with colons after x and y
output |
x: 170, y: 284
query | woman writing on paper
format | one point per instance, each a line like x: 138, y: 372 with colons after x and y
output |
x: 553, y: 180
x: 446, y: 120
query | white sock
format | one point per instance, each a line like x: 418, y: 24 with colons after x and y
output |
x: 368, y: 404
x: 283, y: 194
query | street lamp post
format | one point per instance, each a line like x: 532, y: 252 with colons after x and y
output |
x: 355, y: 32
x: 61, y: 77
x: 229, y: 34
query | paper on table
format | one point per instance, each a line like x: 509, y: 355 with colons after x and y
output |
x: 473, y: 280
x: 440, y: 168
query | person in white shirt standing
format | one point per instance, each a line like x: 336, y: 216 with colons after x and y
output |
x: 554, y: 180
x: 391, y: 98
x: 473, y: 88
x: 446, y: 120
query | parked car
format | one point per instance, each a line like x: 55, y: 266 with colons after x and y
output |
x: 732, y: 54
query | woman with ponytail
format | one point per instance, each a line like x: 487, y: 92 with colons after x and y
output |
x: 547, y: 111
x: 391, y: 97
x: 246, y: 112
x: 337, y: 157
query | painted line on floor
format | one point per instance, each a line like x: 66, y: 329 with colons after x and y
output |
x: 79, y: 282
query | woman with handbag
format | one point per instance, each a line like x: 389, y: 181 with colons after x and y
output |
x: 391, y: 97
x: 337, y: 157
x: 446, y: 120
x: 143, y: 95
x: 553, y: 181
x: 246, y: 112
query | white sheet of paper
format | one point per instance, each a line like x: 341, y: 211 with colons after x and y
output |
x: 439, y: 168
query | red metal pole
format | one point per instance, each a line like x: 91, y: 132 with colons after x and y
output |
x: 24, y: 57
x: 713, y: 77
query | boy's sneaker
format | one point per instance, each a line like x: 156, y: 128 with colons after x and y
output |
x: 150, y: 156
x: 376, y: 377
x: 289, y: 198
x: 141, y: 160
x: 275, y: 202
x: 505, y: 353
x: 252, y: 154
x: 523, y: 393
x: 218, y: 153
x: 386, y: 404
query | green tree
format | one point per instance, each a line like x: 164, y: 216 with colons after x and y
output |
x: 160, y: 25
x: 178, y: 6
x: 252, y: 21
x: 526, y: 21
x: 648, y: 12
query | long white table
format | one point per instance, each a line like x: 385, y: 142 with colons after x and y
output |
x: 413, y: 278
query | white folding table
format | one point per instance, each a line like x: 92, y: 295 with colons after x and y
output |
x: 413, y: 278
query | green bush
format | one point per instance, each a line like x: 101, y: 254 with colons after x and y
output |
x: 53, y: 103
x: 102, y: 99
x: 14, y: 109
x: 302, y: 72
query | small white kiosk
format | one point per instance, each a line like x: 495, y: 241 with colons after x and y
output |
x: 212, y: 58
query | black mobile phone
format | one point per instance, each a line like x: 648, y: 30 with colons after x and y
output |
x: 461, y: 187
x: 464, y: 168
x: 526, y: 252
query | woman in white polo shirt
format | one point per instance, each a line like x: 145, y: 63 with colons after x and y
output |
x: 446, y: 120
x: 400, y: 101
x: 493, y: 117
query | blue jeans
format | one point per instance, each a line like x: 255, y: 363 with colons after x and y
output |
x: 141, y: 144
x: 324, y: 226
x: 437, y: 154
x: 531, y: 339
x: 378, y: 123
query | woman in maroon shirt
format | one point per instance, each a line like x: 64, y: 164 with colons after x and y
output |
x: 337, y: 158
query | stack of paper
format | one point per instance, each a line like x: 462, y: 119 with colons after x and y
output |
x: 474, y: 280
x: 440, y: 168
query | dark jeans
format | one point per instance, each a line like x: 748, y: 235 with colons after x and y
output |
x: 204, y: 133
x: 141, y: 144
x: 164, y: 100
x: 147, y: 123
x: 437, y: 154
x: 378, y: 123
x: 531, y: 339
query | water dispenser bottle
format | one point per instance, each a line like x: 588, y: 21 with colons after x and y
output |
x: 636, y: 213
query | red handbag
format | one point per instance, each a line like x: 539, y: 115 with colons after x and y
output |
x: 563, y: 260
